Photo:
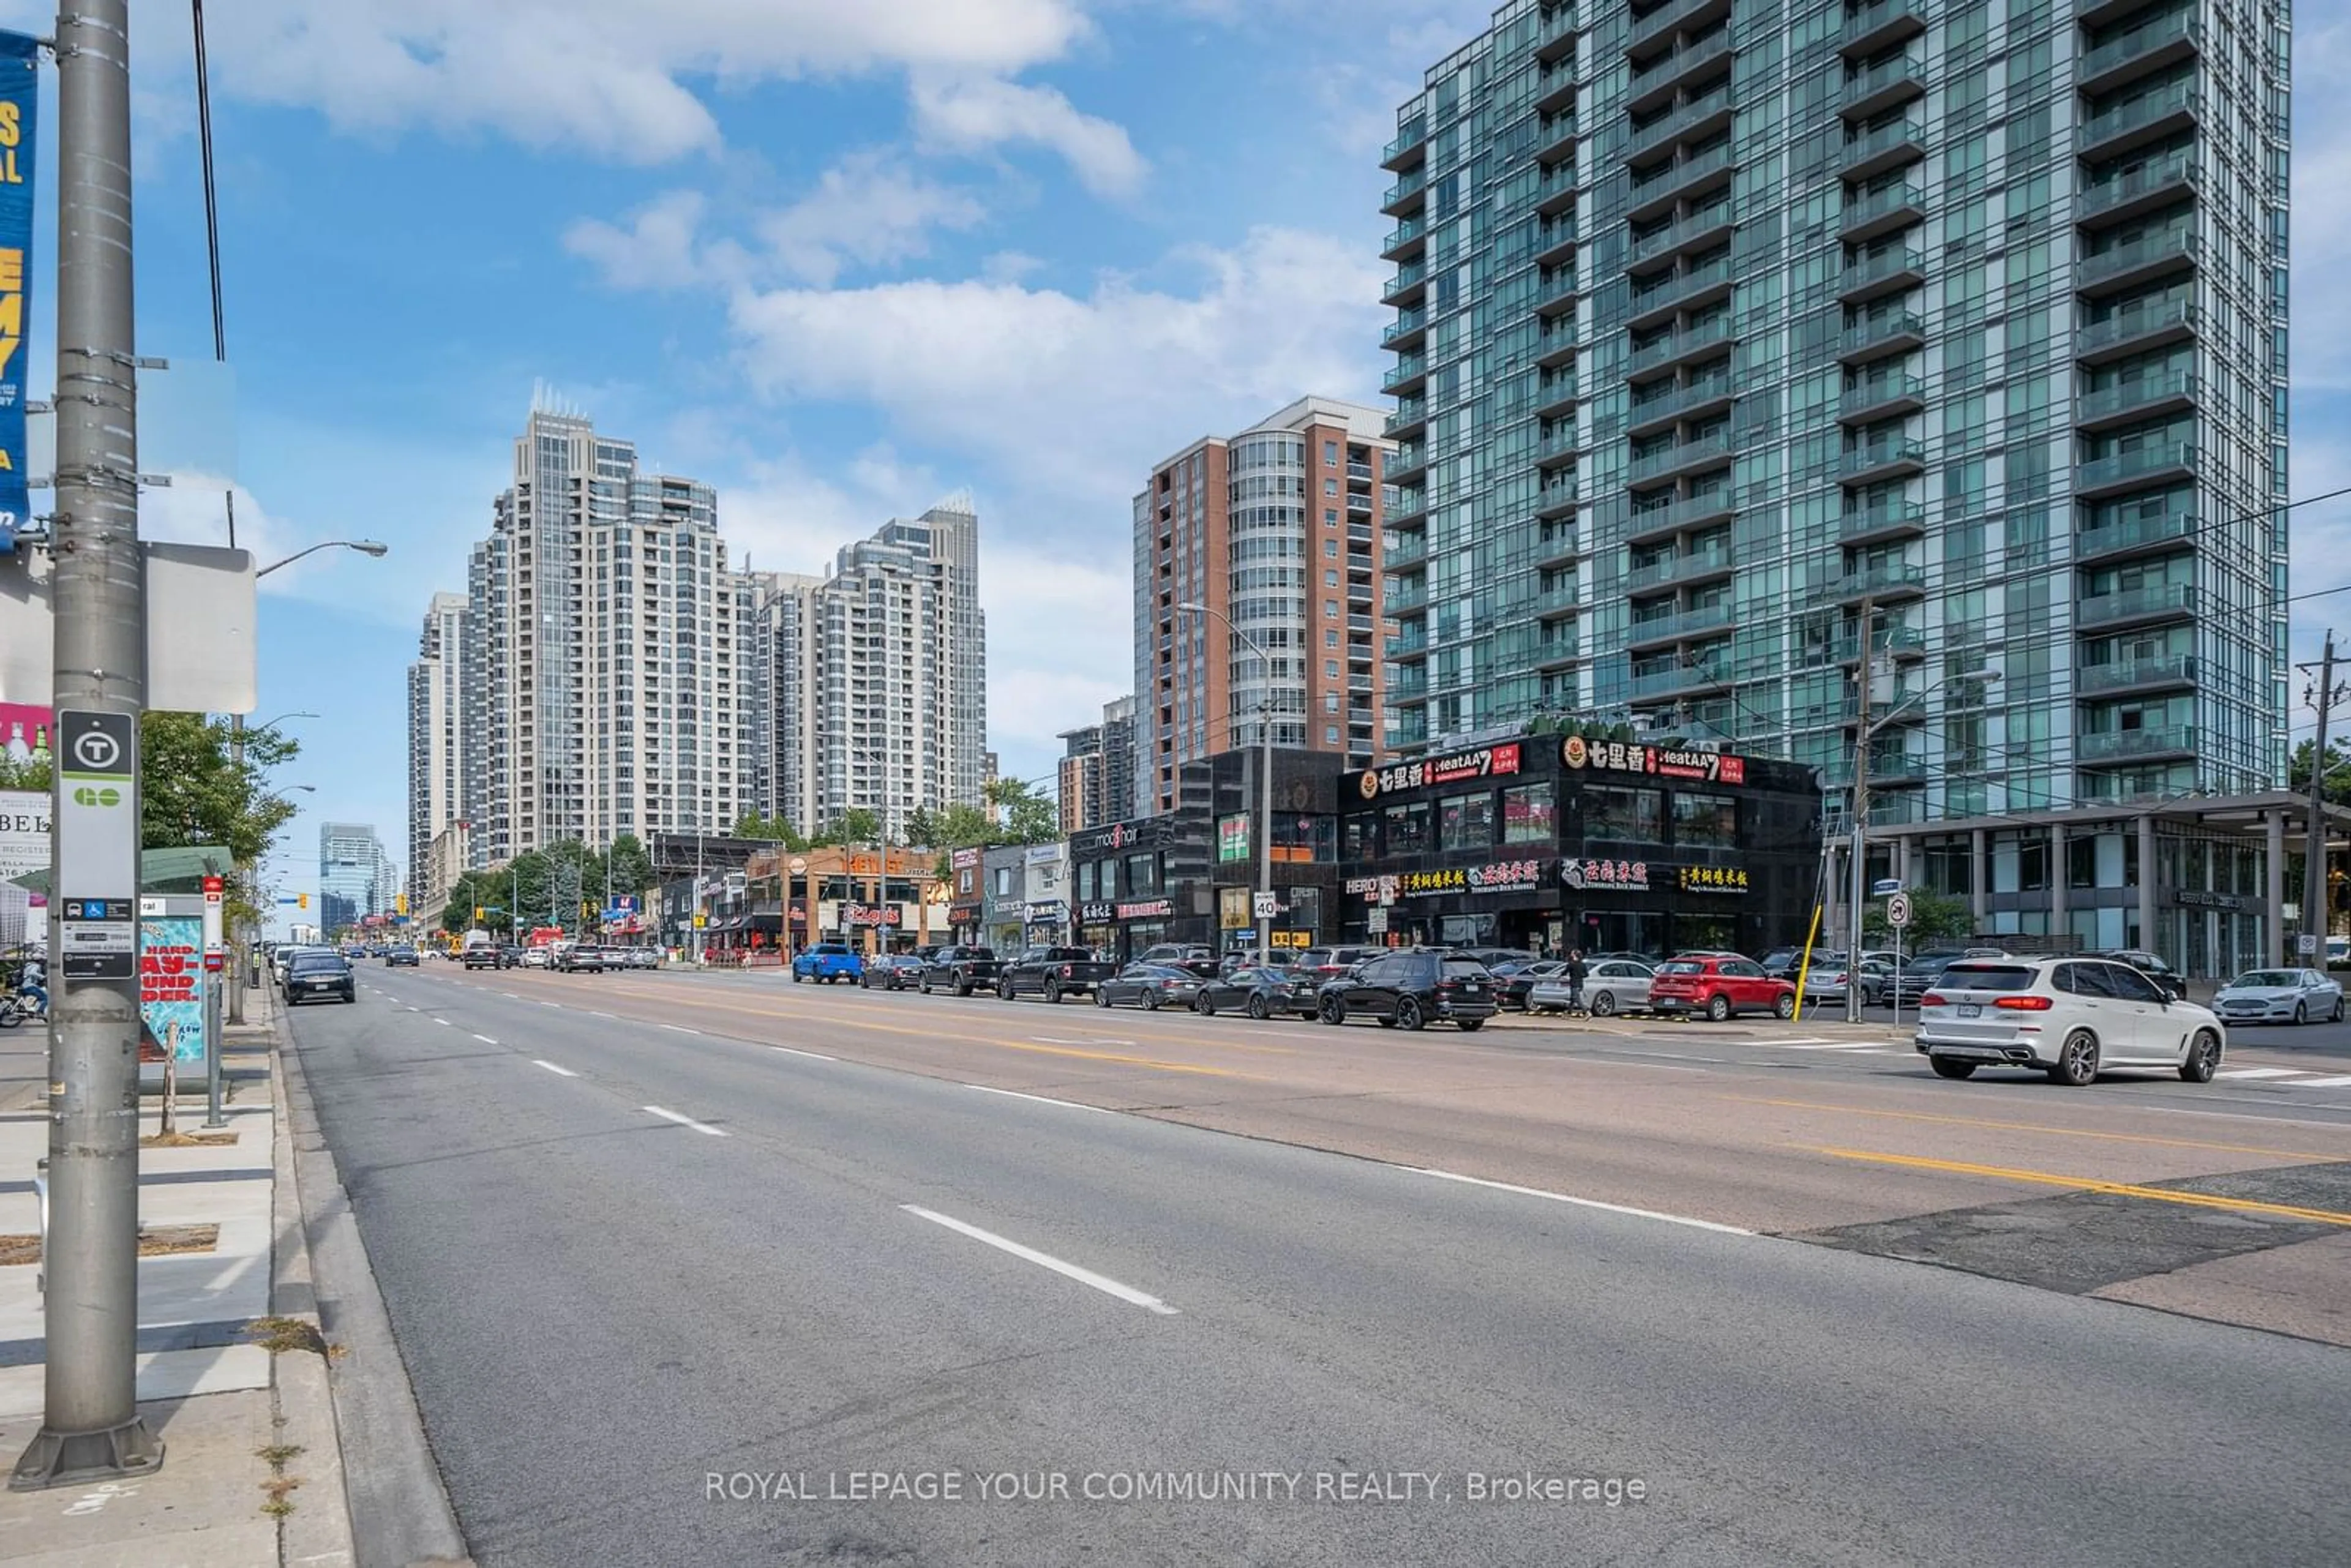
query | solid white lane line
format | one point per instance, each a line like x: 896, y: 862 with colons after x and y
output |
x: 2342, y: 1083
x: 1039, y: 1099
x: 812, y: 1055
x: 686, y: 1122
x: 1834, y: 1047
x: 1108, y: 1287
x: 2260, y: 1072
x: 679, y: 1029
x: 559, y: 1072
x: 485, y: 1039
x: 1580, y: 1202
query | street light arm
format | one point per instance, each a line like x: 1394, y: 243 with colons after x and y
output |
x: 365, y: 547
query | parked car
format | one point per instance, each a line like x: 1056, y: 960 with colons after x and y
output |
x: 1198, y: 960
x: 1495, y: 957
x: 1719, y: 987
x: 961, y: 970
x: 1916, y: 978
x: 2070, y: 1018
x: 827, y: 962
x: 1330, y: 963
x: 1150, y: 987
x: 1515, y: 980
x: 1053, y: 972
x: 580, y: 959
x: 1828, y: 977
x: 1780, y: 963
x: 892, y: 972
x: 319, y: 972
x: 399, y: 958
x: 1260, y: 993
x: 1411, y: 989
x: 2279, y: 996
x: 645, y: 958
x: 1611, y: 986
x: 2174, y: 983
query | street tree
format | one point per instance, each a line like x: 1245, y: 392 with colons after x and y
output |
x: 2335, y: 787
x: 1934, y: 917
x: 858, y: 825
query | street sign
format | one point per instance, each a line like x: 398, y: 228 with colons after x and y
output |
x: 1897, y: 911
x: 101, y: 937
x: 97, y: 824
x: 1885, y: 886
x: 2307, y: 944
x: 1265, y: 905
x: 1376, y: 920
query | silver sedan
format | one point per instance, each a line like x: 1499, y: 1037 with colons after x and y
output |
x: 2280, y: 995
x: 1611, y: 986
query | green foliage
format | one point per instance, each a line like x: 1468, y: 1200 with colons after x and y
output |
x: 1024, y: 816
x: 858, y: 825
x: 769, y: 830
x: 1934, y: 917
x: 2337, y: 783
x: 922, y: 830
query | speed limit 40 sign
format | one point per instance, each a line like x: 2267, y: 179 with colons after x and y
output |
x: 1897, y: 911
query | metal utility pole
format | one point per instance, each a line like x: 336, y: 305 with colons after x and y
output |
x: 2314, y: 858
x: 1859, y: 853
x: 90, y: 1426
x: 1265, y: 821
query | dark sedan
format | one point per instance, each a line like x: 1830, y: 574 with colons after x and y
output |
x: 1260, y: 993
x: 1150, y: 987
x: 399, y: 957
x: 892, y: 972
x: 1513, y: 981
x: 318, y: 973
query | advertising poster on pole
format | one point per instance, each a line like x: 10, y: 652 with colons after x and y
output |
x: 20, y: 80
x: 24, y: 849
x: 171, y: 983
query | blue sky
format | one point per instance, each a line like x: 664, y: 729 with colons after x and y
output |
x: 837, y: 259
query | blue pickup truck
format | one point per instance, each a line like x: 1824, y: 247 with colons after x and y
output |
x: 829, y: 961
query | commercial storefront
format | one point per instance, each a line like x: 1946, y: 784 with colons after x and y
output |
x: 1303, y: 874
x: 1142, y: 883
x: 1548, y: 842
x: 967, y: 907
x: 1045, y: 889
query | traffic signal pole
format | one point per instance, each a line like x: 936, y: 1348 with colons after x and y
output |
x: 90, y: 1426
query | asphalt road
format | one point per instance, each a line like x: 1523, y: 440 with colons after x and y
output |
x: 637, y: 1264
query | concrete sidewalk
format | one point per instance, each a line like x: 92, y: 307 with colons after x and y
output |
x: 216, y: 1399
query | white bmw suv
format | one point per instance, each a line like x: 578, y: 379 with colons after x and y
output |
x: 2071, y: 1017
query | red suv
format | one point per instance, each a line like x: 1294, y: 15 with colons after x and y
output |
x: 1719, y: 987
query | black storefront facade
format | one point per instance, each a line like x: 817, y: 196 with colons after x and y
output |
x: 1135, y: 885
x: 1549, y: 842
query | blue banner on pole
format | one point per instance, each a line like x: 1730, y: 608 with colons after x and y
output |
x: 20, y: 106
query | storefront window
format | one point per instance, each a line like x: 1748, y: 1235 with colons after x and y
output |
x: 1305, y: 838
x: 1635, y: 816
x: 1465, y: 821
x: 1363, y: 840
x: 1142, y: 874
x: 1705, y: 819
x: 1527, y: 815
x: 1407, y: 829
x: 1086, y: 880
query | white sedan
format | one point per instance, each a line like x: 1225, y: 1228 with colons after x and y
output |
x: 2280, y: 995
x: 1610, y: 987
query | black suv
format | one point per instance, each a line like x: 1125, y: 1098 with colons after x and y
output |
x: 1412, y: 989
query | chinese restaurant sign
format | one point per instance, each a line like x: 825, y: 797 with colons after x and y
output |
x: 1657, y: 761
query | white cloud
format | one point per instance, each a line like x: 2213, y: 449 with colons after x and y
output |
x: 599, y: 77
x: 973, y: 114
x: 864, y: 209
x: 1072, y: 398
x: 655, y: 250
x: 194, y: 511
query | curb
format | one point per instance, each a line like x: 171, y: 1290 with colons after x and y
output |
x: 301, y: 1395
x: 398, y: 1511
